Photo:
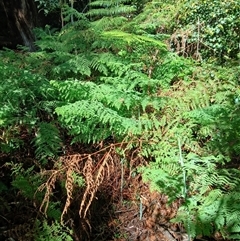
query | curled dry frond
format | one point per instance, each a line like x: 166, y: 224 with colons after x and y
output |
x: 94, y: 176
x: 50, y: 186
x: 94, y: 168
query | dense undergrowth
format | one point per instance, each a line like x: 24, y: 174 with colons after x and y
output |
x: 110, y: 92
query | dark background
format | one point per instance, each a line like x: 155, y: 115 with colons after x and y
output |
x: 19, y: 17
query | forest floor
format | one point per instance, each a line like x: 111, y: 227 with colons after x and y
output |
x: 135, y: 213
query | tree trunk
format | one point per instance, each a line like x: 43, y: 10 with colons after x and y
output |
x: 18, y: 18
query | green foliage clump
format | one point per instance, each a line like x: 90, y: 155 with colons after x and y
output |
x: 25, y: 180
x: 124, y: 82
x: 202, y: 29
x: 196, y: 138
x: 88, y: 82
x: 97, y: 80
x: 47, y: 6
x: 217, y: 22
x: 210, y: 207
x: 105, y: 8
x: 157, y: 19
x: 53, y: 232
x: 25, y: 98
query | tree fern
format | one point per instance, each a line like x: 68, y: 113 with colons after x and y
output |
x: 129, y: 37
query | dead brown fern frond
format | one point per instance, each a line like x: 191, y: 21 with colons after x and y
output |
x: 49, y: 186
x: 94, y: 178
x: 95, y: 168
x: 69, y: 188
x: 90, y: 189
x: 71, y: 165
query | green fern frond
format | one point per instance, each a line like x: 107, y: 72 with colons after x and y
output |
x: 48, y: 43
x: 92, y: 121
x: 53, y: 232
x: 214, y: 193
x: 110, y: 8
x: 111, y: 11
x: 69, y: 13
x: 107, y: 3
x: 132, y: 38
x: 108, y: 23
x: 99, y: 61
x: 47, y: 141
x: 79, y: 65
x: 26, y: 180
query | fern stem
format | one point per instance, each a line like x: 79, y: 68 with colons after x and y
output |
x: 183, y: 170
x: 184, y: 184
x: 122, y: 176
x: 140, y: 209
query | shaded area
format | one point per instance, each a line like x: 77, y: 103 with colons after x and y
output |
x: 124, y: 209
x: 18, y: 18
